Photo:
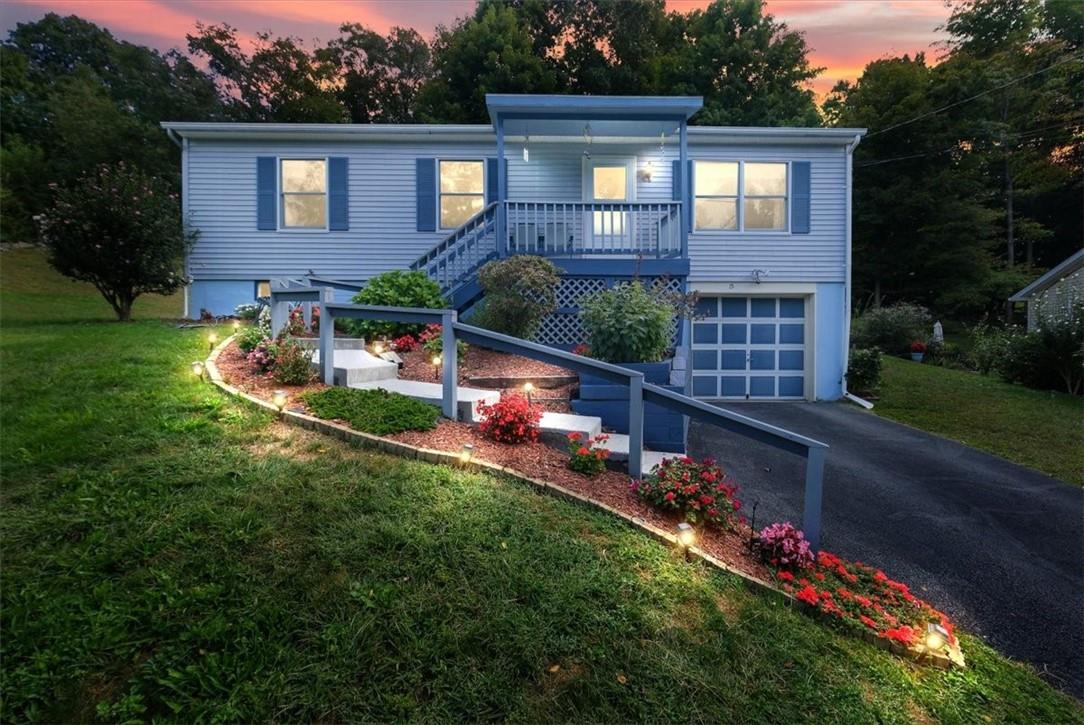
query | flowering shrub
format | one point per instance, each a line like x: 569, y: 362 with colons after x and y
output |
x: 918, y: 346
x: 785, y: 547
x: 584, y: 457
x: 510, y: 420
x: 264, y: 354
x: 698, y: 489
x: 246, y: 311
x: 405, y: 343
x: 293, y: 363
x: 295, y: 323
x: 865, y: 597
x: 249, y: 337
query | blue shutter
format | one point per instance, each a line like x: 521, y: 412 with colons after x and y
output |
x: 266, y: 191
x: 799, y: 212
x: 491, y: 180
x: 425, y: 179
x: 676, y: 183
x: 676, y: 180
x: 338, y: 200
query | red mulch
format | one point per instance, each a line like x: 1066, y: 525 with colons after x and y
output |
x: 482, y: 363
x: 535, y: 460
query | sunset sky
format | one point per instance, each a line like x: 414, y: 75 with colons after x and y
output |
x: 843, y: 34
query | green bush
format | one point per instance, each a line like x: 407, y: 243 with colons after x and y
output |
x: 520, y: 292
x: 988, y: 344
x: 892, y: 329
x: 372, y: 411
x: 396, y: 289
x: 628, y: 323
x: 249, y: 337
x: 1049, y: 358
x: 864, y: 370
x: 293, y: 363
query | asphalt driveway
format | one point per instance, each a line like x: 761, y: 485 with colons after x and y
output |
x: 997, y: 546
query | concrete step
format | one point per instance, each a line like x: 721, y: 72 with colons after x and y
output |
x: 359, y: 366
x: 555, y: 427
x: 433, y: 393
x: 618, y: 445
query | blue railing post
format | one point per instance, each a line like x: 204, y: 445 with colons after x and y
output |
x: 636, y: 425
x: 327, y: 337
x: 814, y: 484
x: 502, y: 237
x: 280, y: 309
x: 450, y: 361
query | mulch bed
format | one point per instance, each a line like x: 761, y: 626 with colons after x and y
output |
x: 533, y: 460
x: 480, y: 362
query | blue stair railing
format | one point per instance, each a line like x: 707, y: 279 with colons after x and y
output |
x: 453, y: 262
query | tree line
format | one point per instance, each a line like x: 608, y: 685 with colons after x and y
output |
x: 969, y: 181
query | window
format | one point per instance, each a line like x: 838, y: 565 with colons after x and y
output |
x: 462, y: 191
x: 304, y: 193
x: 758, y: 189
x: 716, y: 186
x: 765, y: 201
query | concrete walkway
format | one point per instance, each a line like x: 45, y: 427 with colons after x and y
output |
x: 997, y: 546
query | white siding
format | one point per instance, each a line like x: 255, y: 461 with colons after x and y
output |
x: 819, y: 256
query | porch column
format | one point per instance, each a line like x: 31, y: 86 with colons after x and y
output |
x: 686, y: 197
x: 502, y: 237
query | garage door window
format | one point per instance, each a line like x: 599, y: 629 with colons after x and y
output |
x: 749, y: 347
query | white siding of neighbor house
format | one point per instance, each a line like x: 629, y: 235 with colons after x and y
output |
x: 221, y: 184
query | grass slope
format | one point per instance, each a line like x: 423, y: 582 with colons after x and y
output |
x: 1040, y: 429
x: 172, y: 554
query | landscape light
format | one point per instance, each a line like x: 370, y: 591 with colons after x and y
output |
x: 436, y: 365
x: 197, y: 369
x: 212, y: 338
x: 378, y: 347
x: 528, y: 388
x: 466, y: 452
x: 278, y: 399
x: 936, y: 637
x: 236, y: 325
x: 686, y: 536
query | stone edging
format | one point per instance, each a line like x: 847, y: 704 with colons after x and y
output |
x: 368, y: 440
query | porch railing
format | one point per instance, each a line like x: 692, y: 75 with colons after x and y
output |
x: 457, y: 256
x: 452, y: 330
x: 571, y: 228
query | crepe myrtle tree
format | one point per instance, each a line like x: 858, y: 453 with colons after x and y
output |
x: 120, y: 230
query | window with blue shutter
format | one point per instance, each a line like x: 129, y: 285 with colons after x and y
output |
x: 425, y: 179
x: 266, y: 191
x: 338, y: 202
x: 799, y: 214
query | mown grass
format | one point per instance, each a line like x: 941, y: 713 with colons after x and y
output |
x: 1040, y: 429
x: 172, y: 554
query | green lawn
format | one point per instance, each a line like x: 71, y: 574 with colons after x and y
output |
x: 169, y: 553
x: 1040, y: 429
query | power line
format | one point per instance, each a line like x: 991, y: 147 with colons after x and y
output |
x: 977, y: 95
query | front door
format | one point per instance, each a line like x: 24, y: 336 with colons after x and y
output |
x: 608, y: 184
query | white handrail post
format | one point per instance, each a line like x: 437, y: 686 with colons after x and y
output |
x: 636, y: 425
x: 280, y: 309
x: 450, y: 362
x: 327, y: 337
x: 814, y: 485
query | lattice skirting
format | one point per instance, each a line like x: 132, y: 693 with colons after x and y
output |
x: 563, y: 328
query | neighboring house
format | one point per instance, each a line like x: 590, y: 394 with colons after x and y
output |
x: 756, y: 220
x: 1054, y: 295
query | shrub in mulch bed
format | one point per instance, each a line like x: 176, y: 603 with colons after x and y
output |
x: 698, y: 489
x: 584, y: 456
x: 784, y: 547
x: 372, y: 411
x: 865, y: 598
x: 512, y: 419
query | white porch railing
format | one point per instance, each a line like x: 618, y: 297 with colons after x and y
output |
x: 559, y: 228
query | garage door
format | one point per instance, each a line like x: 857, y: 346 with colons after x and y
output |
x: 749, y: 347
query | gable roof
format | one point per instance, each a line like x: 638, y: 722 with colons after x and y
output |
x: 1052, y: 277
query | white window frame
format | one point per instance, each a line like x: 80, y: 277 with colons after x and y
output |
x: 280, y: 202
x: 442, y: 194
x: 741, y: 198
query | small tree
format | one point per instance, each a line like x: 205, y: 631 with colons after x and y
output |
x: 520, y: 292
x: 120, y: 230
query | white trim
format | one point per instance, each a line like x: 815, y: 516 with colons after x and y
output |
x: 847, y: 264
x: 187, y: 268
x: 280, y: 209
x: 740, y: 200
x: 485, y: 185
x: 752, y: 289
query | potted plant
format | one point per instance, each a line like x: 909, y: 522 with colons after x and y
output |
x: 918, y: 350
x: 630, y: 325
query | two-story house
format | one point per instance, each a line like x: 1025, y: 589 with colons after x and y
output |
x: 756, y: 220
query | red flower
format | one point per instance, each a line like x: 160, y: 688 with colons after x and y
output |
x: 867, y: 621
x: 582, y: 451
x: 784, y: 576
x: 808, y: 595
x: 670, y: 496
x: 575, y: 436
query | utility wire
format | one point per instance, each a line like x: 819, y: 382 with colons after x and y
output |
x: 977, y: 95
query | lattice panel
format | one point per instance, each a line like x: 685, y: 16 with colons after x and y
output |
x: 564, y: 329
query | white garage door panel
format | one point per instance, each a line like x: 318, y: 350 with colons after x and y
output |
x: 749, y: 347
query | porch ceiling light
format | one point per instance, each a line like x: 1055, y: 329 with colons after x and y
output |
x: 278, y: 399
x: 587, y: 139
x: 527, y: 149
